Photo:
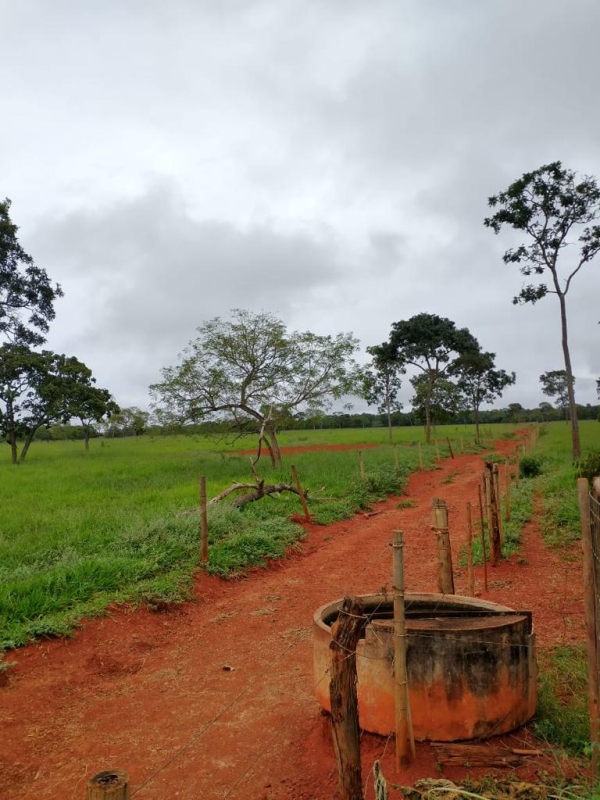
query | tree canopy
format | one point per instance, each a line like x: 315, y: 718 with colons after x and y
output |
x: 479, y: 381
x: 431, y: 344
x: 559, y: 213
x: 26, y: 294
x: 41, y: 388
x: 555, y: 384
x: 381, y: 382
x: 251, y: 370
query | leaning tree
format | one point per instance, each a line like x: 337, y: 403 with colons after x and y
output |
x: 431, y: 344
x: 251, y: 368
x: 559, y: 213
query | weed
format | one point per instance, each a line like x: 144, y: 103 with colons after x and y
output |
x: 405, y: 504
x: 530, y: 467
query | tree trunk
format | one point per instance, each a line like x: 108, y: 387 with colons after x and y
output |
x: 28, y: 441
x: 476, y: 415
x: 86, y: 439
x: 569, y: 370
x: 273, y: 445
x: 14, y: 453
x: 389, y: 419
x: 427, y: 422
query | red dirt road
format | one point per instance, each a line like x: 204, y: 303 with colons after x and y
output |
x: 147, y: 692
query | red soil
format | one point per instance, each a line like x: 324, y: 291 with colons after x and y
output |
x: 213, y: 699
x: 304, y: 448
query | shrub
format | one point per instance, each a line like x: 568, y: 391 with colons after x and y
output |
x: 530, y: 467
x: 589, y: 466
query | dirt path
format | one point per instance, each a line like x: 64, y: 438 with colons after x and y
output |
x: 148, y: 692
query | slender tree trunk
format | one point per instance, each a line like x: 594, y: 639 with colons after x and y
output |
x: 389, y: 419
x: 476, y: 415
x: 569, y: 370
x: 427, y: 422
x: 273, y: 445
x: 14, y: 452
x: 28, y: 441
x: 87, y: 439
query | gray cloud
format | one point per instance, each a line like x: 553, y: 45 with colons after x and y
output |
x: 330, y: 162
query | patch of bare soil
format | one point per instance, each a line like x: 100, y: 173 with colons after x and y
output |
x: 215, y: 700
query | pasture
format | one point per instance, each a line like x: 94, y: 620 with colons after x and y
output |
x: 81, y: 530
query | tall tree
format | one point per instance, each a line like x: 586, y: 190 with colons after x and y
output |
x: 251, y: 368
x: 381, y: 382
x: 479, y: 381
x: 444, y: 401
x: 41, y: 388
x: 557, y: 211
x: 26, y: 293
x: 555, y: 384
x: 431, y: 344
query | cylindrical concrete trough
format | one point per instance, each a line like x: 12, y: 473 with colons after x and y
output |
x: 471, y: 666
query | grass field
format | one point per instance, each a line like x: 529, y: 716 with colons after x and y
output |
x: 83, y: 529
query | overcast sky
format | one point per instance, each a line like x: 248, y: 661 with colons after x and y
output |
x: 326, y: 160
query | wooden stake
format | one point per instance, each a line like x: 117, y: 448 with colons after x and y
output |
x: 470, y: 551
x: 203, y: 520
x: 420, y: 456
x: 302, y: 494
x: 493, y: 512
x: 396, y: 462
x: 450, y: 447
x: 507, y: 489
x: 518, y: 470
x: 109, y: 785
x: 462, y: 445
x: 496, y: 478
x: 400, y: 674
x: 344, y: 702
x: 483, y: 553
x: 590, y: 591
x: 440, y: 526
x: 363, y: 474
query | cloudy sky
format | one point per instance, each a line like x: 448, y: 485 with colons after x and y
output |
x: 326, y: 160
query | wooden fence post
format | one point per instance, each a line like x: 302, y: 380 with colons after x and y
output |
x: 496, y: 477
x: 591, y: 588
x: 450, y: 447
x: 363, y: 474
x: 420, y: 456
x: 203, y: 520
x: 403, y: 726
x: 396, y: 462
x: 296, y: 480
x: 344, y: 702
x: 483, y: 553
x: 507, y: 489
x: 440, y: 526
x: 493, y: 512
x: 109, y: 785
x: 470, y: 552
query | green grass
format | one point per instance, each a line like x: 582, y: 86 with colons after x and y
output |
x: 562, y: 717
x: 81, y: 530
x: 557, y: 484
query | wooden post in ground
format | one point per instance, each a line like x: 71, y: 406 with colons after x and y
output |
x: 396, y: 461
x: 420, y: 456
x: 363, y: 474
x: 493, y: 513
x: 403, y: 733
x: 203, y: 520
x: 109, y: 785
x: 496, y: 479
x: 507, y: 489
x: 462, y: 445
x: 590, y: 592
x: 302, y: 494
x: 450, y: 447
x: 487, y: 499
x: 470, y: 574
x: 483, y: 553
x: 344, y: 701
x: 518, y: 469
x: 440, y: 526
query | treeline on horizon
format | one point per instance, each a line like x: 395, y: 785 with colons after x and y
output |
x: 515, y: 414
